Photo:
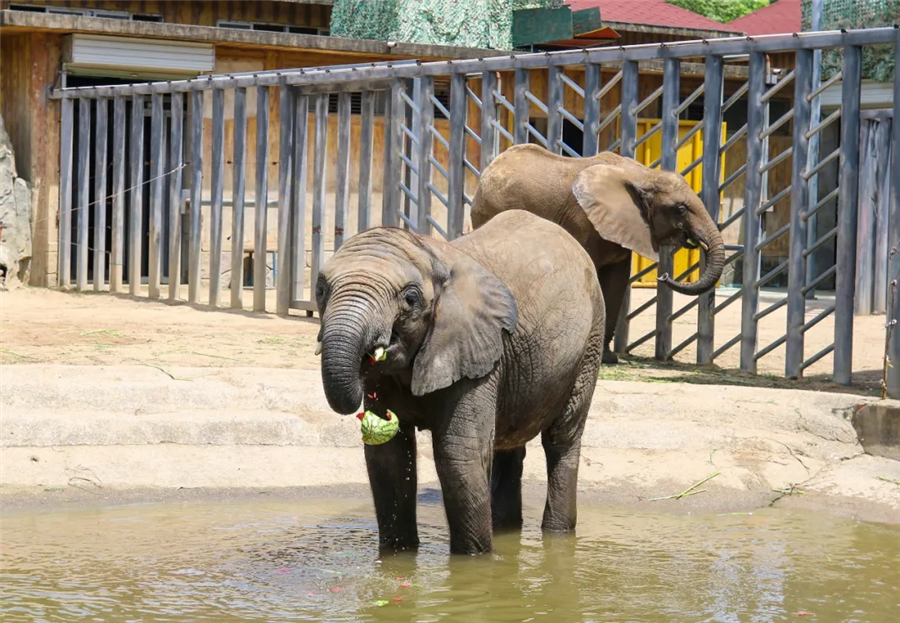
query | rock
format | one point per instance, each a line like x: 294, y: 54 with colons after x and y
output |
x: 15, y: 218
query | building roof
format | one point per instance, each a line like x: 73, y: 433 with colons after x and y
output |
x: 782, y: 16
x: 650, y: 13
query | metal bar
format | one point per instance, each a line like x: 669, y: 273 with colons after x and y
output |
x: 298, y: 187
x: 648, y: 100
x: 592, y: 80
x: 194, y: 247
x: 818, y: 280
x: 157, y: 160
x: 471, y: 167
x: 725, y: 46
x: 731, y: 219
x: 83, y: 206
x: 731, y: 299
x: 690, y: 99
x: 283, y: 264
x: 681, y: 312
x: 736, y: 96
x: 412, y: 136
x: 689, y: 135
x: 771, y: 308
x: 217, y: 178
x: 845, y: 286
x: 498, y: 97
x: 426, y: 149
x: 823, y: 201
x: 734, y: 139
x: 892, y: 371
x: 522, y: 108
x: 137, y: 193
x: 64, y: 247
x: 741, y: 170
x: 534, y: 100
x: 101, y: 132
x: 342, y: 192
x: 769, y: 276
x: 437, y: 165
x: 669, y: 162
x: 648, y: 134
x: 818, y: 318
x: 642, y: 308
x: 411, y: 130
x: 644, y: 271
x: 644, y: 338
x: 609, y: 119
x: 693, y: 165
x: 409, y: 102
x: 456, y: 180
x: 777, y: 234
x: 628, y: 137
x: 774, y: 162
x: 784, y: 192
x: 824, y: 124
x: 470, y: 93
x: 471, y: 132
x: 822, y: 164
x: 440, y: 137
x: 409, y: 164
x: 683, y: 345
x: 818, y: 244
x: 825, y: 85
x: 817, y: 357
x: 320, y: 157
x: 572, y: 119
x: 796, y: 307
x: 409, y: 193
x: 176, y: 163
x: 609, y: 86
x: 366, y: 151
x: 710, y: 195
x: 768, y: 349
x: 437, y: 104
x: 555, y: 95
x: 572, y: 84
x: 488, y: 117
x: 778, y: 123
x: 387, y: 157
x: 238, y: 192
x: 438, y: 194
x: 393, y: 162
x: 569, y: 150
x: 533, y: 131
x: 785, y: 80
x: 437, y: 226
x: 262, y: 199
x: 119, y: 159
x: 726, y: 346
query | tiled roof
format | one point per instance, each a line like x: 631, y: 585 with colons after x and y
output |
x: 779, y: 17
x: 650, y: 13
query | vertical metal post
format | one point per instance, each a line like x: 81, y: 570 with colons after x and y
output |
x: 100, y: 145
x: 298, y: 205
x: 812, y: 234
x: 137, y: 193
x: 555, y: 94
x: 176, y: 160
x: 66, y: 138
x: 157, y: 160
x: 892, y: 382
x: 411, y: 178
x: 238, y: 195
x: 796, y: 301
x: 455, y: 194
x: 522, y: 107
x: 217, y: 178
x: 592, y: 80
x: 262, y: 199
x: 119, y: 159
x: 488, y: 118
x: 84, y: 189
x: 752, y: 201
x: 342, y: 192
x: 366, y: 149
x: 710, y: 194
x: 629, y: 136
x: 426, y: 144
x: 845, y: 279
x: 394, y: 145
x: 319, y: 186
x: 196, y: 196
x: 669, y: 161
x: 285, y: 173
x: 388, y: 217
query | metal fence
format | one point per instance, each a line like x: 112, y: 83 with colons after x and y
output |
x: 420, y: 159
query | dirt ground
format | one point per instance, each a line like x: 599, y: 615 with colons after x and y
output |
x: 47, y: 326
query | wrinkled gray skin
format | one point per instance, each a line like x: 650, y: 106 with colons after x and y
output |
x: 491, y: 340
x: 612, y: 206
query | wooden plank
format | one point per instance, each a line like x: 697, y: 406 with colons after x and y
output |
x: 239, y: 191
x: 101, y: 133
x: 136, y: 238
x: 455, y: 192
x: 262, y: 198
x: 285, y: 173
x: 342, y: 191
x: 119, y: 158
x: 83, y: 205
x: 176, y: 164
x: 366, y: 151
x: 217, y: 177
x: 425, y: 151
x: 320, y: 156
x: 157, y: 158
x: 489, y: 144
x: 298, y: 204
x: 194, y: 252
x: 64, y: 250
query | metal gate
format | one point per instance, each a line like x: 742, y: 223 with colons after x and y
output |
x: 432, y: 157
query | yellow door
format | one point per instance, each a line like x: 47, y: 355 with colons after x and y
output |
x: 647, y: 153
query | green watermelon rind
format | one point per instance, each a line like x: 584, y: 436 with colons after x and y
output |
x: 382, y: 432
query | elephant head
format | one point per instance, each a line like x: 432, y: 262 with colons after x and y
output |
x: 438, y: 315
x: 643, y: 209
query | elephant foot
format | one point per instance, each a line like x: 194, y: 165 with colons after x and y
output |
x: 395, y: 545
x: 609, y: 357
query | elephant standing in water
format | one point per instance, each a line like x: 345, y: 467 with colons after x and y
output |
x: 487, y: 341
x: 612, y: 206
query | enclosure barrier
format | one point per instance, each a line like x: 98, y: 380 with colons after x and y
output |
x: 435, y: 149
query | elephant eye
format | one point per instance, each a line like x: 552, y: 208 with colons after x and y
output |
x: 682, y: 210
x: 320, y: 290
x: 412, y: 296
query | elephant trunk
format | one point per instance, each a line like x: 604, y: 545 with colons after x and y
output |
x: 715, y: 261
x: 345, y: 341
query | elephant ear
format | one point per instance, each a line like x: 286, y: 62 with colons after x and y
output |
x: 472, y: 309
x: 611, y: 196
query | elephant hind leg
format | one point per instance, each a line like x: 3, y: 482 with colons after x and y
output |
x: 506, y: 489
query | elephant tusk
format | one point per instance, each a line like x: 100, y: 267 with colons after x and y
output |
x: 703, y: 245
x: 318, y: 348
x: 663, y: 278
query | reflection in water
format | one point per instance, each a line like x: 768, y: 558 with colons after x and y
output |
x: 318, y: 560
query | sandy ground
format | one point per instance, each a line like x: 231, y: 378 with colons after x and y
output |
x: 47, y: 326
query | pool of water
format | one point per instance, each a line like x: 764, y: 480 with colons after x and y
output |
x: 318, y: 560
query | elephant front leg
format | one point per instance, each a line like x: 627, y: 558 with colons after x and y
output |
x: 506, y: 489
x: 614, y: 283
x: 392, y: 477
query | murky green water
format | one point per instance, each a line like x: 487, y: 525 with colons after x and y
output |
x: 317, y: 560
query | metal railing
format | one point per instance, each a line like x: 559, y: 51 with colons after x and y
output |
x: 424, y: 161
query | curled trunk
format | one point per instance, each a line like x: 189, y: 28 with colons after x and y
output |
x: 715, y: 262
x: 344, y: 344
